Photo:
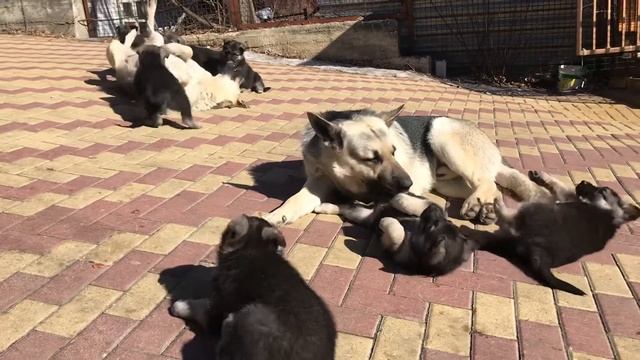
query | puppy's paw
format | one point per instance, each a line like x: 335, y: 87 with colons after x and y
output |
x: 180, y: 309
x: 408, y: 204
x: 327, y: 208
x: 190, y: 124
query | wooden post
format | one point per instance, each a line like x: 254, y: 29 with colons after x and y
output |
x: 579, y: 28
x: 595, y: 8
x: 234, y: 13
x: 624, y: 21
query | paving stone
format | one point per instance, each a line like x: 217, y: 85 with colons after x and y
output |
x: 494, y: 316
x: 449, y: 330
x: 541, y: 341
x: 141, y: 298
x: 17, y: 322
x: 97, y: 339
x: 626, y: 348
x: 535, y: 303
x: 35, y: 345
x: 399, y: 339
x: 14, y: 261
x: 306, y: 259
x: 75, y: 315
x: 584, y: 332
x: 490, y: 347
x: 607, y: 279
x: 58, y: 259
x: 353, y: 347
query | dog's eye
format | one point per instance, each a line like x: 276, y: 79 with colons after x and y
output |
x: 375, y: 159
x: 393, y: 151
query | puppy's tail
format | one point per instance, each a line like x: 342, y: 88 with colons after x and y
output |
x: 518, y: 183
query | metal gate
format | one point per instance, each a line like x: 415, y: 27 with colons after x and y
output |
x: 607, y: 27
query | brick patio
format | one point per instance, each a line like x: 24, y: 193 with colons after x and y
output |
x: 96, y: 216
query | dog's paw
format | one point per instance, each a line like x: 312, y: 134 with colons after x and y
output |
x: 536, y: 176
x: 487, y: 214
x: 482, y: 211
x: 327, y: 208
x: 274, y: 219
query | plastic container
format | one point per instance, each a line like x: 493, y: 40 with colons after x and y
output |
x: 570, y: 78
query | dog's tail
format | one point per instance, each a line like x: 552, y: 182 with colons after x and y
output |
x: 519, y: 184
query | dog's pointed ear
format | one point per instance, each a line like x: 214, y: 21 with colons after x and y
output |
x: 631, y: 212
x: 326, y: 130
x: 233, y: 235
x: 390, y: 116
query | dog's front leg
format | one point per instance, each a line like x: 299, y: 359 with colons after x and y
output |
x: 302, y: 203
x: 409, y: 204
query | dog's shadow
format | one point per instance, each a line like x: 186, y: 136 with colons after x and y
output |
x: 192, y: 282
x: 121, y: 102
x: 276, y: 180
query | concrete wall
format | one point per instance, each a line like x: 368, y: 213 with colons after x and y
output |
x: 370, y: 43
x: 52, y: 16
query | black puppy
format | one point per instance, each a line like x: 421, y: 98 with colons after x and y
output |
x: 429, y: 244
x: 232, y: 55
x: 158, y: 89
x: 122, y: 31
x: 546, y: 235
x: 269, y: 311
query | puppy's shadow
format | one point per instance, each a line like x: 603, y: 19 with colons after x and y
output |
x: 122, y: 102
x: 366, y: 243
x: 192, y: 282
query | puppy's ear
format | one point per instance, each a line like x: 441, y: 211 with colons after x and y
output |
x: 390, y: 116
x: 631, y: 212
x: 233, y: 235
x: 271, y: 234
x: 330, y: 133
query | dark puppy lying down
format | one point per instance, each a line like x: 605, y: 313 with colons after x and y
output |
x: 231, y: 56
x: 547, y: 235
x: 540, y: 235
x: 429, y: 244
x: 264, y: 309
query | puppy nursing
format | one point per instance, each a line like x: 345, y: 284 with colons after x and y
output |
x: 259, y: 304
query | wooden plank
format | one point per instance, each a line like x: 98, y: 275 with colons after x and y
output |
x: 579, y: 28
x: 624, y: 21
x: 608, y: 24
x: 593, y: 31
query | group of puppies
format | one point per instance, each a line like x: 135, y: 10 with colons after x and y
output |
x: 161, y: 73
x: 261, y: 308
x: 540, y: 234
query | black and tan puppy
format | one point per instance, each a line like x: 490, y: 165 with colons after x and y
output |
x: 158, y: 89
x: 231, y: 56
x: 545, y: 235
x: 429, y: 244
x: 269, y: 311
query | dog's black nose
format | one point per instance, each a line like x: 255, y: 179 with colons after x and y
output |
x: 404, y: 183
